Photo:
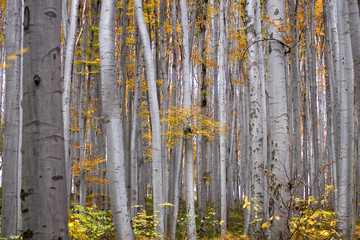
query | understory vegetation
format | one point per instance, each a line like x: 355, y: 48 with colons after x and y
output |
x: 313, y: 219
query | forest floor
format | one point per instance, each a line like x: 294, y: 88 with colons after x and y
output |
x: 234, y: 231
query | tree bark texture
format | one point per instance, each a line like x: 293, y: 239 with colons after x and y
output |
x: 111, y: 110
x: 278, y: 117
x: 11, y: 155
x: 155, y: 118
x: 43, y: 191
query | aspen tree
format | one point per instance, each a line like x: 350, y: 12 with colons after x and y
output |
x: 188, y: 141
x: 297, y: 170
x: 346, y: 126
x: 256, y: 134
x: 113, y: 123
x: 68, y: 67
x: 43, y: 191
x: 155, y: 118
x: 355, y: 47
x: 278, y: 125
x: 222, y: 80
x: 10, y: 211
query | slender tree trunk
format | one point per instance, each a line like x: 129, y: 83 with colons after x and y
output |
x: 11, y: 155
x: 222, y: 56
x: 83, y: 120
x: 346, y: 151
x: 215, y: 159
x: 297, y: 171
x: 111, y: 107
x: 165, y: 105
x: 306, y: 135
x: 278, y: 117
x: 155, y: 118
x: 68, y: 67
x: 134, y: 154
x: 202, y: 160
x: 188, y: 141
x: 256, y: 134
x: 177, y: 152
x: 355, y: 46
x: 265, y: 143
x: 331, y: 33
x: 245, y: 159
x: 43, y: 193
x: 311, y: 73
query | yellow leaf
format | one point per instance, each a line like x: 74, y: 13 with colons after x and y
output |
x: 12, y: 57
x: 277, y: 217
x: 325, y: 233
x: 24, y: 50
x: 264, y: 225
x: 333, y: 223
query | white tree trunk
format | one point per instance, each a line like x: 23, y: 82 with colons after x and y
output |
x: 68, y: 63
x: 155, y: 118
x: 215, y: 160
x: 43, y: 193
x: 134, y: 154
x: 222, y: 81
x: 189, y: 145
x: 256, y: 129
x: 346, y: 151
x: 297, y: 170
x: 311, y: 75
x: 11, y: 155
x: 111, y: 108
x: 278, y: 117
x: 355, y: 45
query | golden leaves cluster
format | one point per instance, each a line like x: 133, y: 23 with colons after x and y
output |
x: 183, y: 123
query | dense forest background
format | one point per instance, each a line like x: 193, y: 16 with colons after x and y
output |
x: 180, y: 119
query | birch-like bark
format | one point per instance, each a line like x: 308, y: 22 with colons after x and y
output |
x: 222, y: 79
x: 134, y: 154
x: 256, y: 134
x: 311, y: 60
x: 245, y: 158
x: 329, y: 150
x: 155, y: 118
x: 262, y: 68
x: 346, y: 150
x: 332, y: 58
x: 177, y: 152
x: 278, y: 117
x: 111, y: 112
x: 83, y: 78
x: 355, y: 47
x: 43, y: 191
x: 215, y: 159
x: 11, y: 155
x: 68, y: 67
x: 188, y: 141
x: 297, y: 171
x: 64, y: 18
x: 307, y: 177
x: 165, y: 105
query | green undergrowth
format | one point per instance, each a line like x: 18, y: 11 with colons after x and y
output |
x: 145, y: 227
x: 235, y: 224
